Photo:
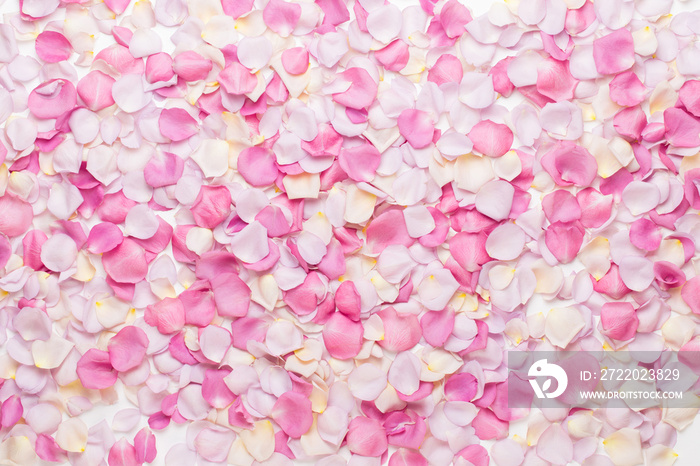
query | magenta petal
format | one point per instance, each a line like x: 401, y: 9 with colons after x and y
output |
x: 691, y: 294
x: 176, y: 124
x: 614, y: 52
x: 491, y: 139
x: 447, y: 69
x: 52, y: 47
x: 126, y: 263
x: 627, y: 90
x: 366, y: 437
x: 645, y: 234
x: 95, y: 89
x: 292, y: 411
x: 347, y: 300
x: 405, y: 457
x: 215, y: 390
x: 342, y: 336
x: 164, y: 169
x: 295, y: 60
x: 237, y: 79
x: 95, y: 371
x: 395, y: 56
x: 167, y: 315
x: 570, y: 164
x: 104, y: 237
x: 469, y: 250
x: 401, y: 331
x: 416, y: 126
x: 564, y: 240
x: 231, y: 295
x: 619, y: 320
x: 127, y: 348
x: 145, y: 444
x: 386, y: 229
x: 561, y: 206
x: 475, y: 454
x: 630, y: 122
x: 52, y: 99
x: 362, y: 90
x: 689, y: 96
x: 212, y: 206
x: 159, y: 68
x: 668, y: 275
x: 282, y: 17
x: 191, y: 66
x: 682, y: 129
x: 488, y: 427
x: 554, y: 80
x: 360, y: 162
x: 122, y: 453
x: 461, y: 387
x: 257, y: 166
x: 437, y: 326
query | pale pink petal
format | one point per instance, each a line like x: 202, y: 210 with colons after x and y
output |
x: 15, y: 215
x: 366, y: 437
x: 554, y: 80
x: 191, y: 66
x: 360, y: 162
x: 461, y: 387
x: 437, y: 326
x: 127, y: 348
x: 691, y: 294
x: 417, y: 127
x: 367, y: 382
x: 122, y: 453
x: 561, y: 206
x: 555, y: 445
x: 495, y: 199
x: 231, y: 295
x: 491, y: 138
x: 469, y: 250
x: 636, y: 272
x: 95, y: 371
x: 489, y: 427
x: 214, y: 341
x: 564, y: 240
x: 619, y: 320
x: 640, y: 197
x: 213, y: 444
x: 237, y: 79
x: 362, y: 90
x: 176, y: 124
x: 614, y: 52
x: 342, y: 336
x: 401, y: 331
x: 292, y: 411
x: 126, y: 263
x: 52, y: 47
x: 282, y: 17
x: 446, y: 69
x: 506, y: 242
x: 164, y: 169
x: 59, y: 253
x: 167, y: 315
x: 257, y: 166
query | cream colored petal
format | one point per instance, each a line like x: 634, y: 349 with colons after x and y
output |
x: 302, y: 186
x: 562, y: 325
x: 359, y: 205
x: 51, y: 353
x: 508, y: 166
x: 624, y: 447
x: 212, y: 157
x: 473, y: 172
x: 259, y: 442
x: 677, y: 331
x: 662, y: 98
x: 199, y: 240
x: 17, y: 451
x: 595, y: 256
x: 72, y: 435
